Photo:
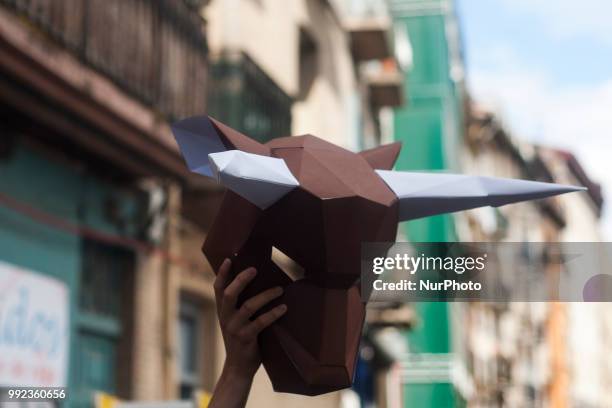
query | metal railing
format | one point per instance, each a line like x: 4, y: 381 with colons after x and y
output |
x: 155, y: 50
x: 243, y: 96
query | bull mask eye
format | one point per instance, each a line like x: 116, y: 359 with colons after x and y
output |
x: 290, y: 267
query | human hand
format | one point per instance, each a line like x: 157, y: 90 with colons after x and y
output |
x: 239, y: 332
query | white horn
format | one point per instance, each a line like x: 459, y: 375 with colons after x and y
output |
x: 425, y: 194
x: 262, y: 180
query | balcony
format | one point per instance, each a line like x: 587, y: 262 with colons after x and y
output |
x: 155, y: 50
x: 385, y: 83
x: 245, y: 97
x: 369, y: 24
x: 104, y: 78
x: 382, y: 54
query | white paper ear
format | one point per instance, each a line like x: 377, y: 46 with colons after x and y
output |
x: 197, y: 138
x: 262, y: 180
x: 424, y: 194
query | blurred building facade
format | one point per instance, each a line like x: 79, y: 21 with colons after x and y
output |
x: 514, y: 351
x: 431, y: 127
x: 88, y: 169
x: 536, y: 353
x: 97, y: 208
x: 587, y: 324
x: 315, y: 54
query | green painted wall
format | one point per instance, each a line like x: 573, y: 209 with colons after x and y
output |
x: 430, y: 395
x: 429, y: 126
x: 49, y: 185
x: 423, y: 123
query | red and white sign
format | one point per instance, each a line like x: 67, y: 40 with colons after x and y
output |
x: 34, y: 328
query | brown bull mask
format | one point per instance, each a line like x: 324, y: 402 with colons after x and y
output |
x: 317, y: 202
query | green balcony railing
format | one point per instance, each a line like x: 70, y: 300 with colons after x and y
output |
x: 243, y: 96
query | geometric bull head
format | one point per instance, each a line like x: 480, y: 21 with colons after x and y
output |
x: 317, y: 202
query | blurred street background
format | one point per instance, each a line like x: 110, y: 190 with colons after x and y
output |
x: 103, y: 287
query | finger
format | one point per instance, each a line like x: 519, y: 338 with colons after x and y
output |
x: 251, y: 306
x: 221, y: 281
x: 233, y: 290
x: 250, y: 331
x: 222, y: 278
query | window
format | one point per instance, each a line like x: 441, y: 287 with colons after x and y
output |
x: 103, y: 278
x: 244, y: 97
x: 308, y: 63
x: 103, y: 336
x: 190, y: 345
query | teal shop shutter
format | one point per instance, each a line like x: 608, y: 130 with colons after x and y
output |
x: 99, y: 276
x: 104, y: 279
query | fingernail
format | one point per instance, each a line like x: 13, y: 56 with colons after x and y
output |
x: 226, y: 261
x: 278, y: 290
x: 252, y: 271
x: 282, y: 308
